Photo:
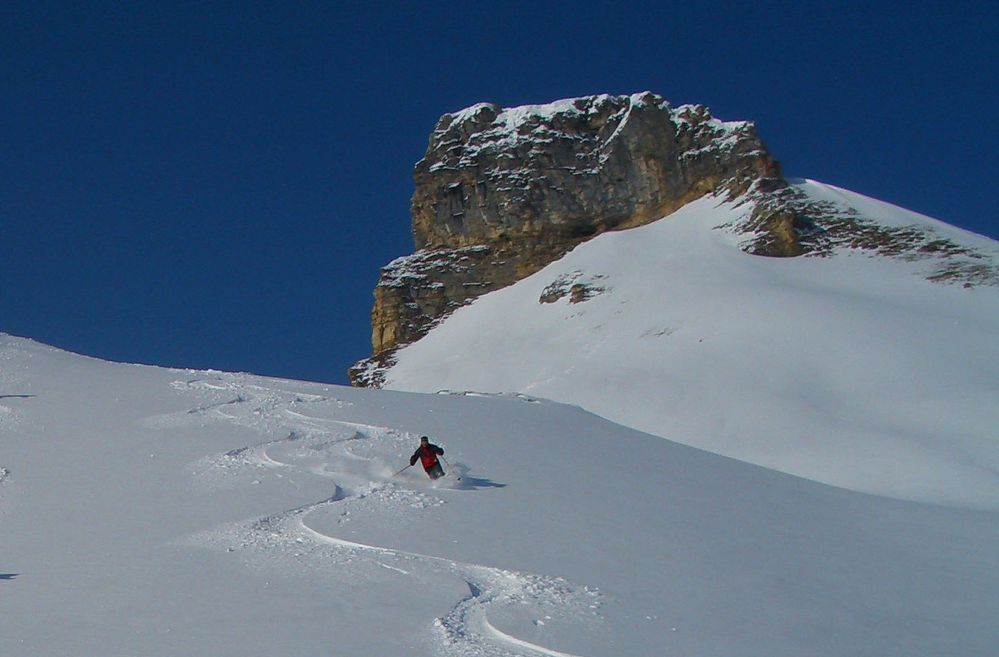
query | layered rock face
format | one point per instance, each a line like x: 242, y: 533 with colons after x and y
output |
x: 501, y: 193
x: 549, y: 175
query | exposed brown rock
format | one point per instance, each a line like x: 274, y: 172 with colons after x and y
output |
x: 502, y: 193
x: 786, y: 222
x: 560, y: 173
x: 577, y: 286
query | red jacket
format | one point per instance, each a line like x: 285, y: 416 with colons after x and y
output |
x: 427, y: 455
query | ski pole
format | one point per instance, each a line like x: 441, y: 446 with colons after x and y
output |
x: 401, y: 471
x: 457, y: 476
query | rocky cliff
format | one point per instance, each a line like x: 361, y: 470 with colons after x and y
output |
x: 501, y: 193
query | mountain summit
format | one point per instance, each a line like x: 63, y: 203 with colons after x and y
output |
x: 501, y: 193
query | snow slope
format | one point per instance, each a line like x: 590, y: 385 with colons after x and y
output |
x: 850, y: 370
x: 154, y: 512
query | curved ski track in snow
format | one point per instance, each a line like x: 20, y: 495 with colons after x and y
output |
x: 356, y: 457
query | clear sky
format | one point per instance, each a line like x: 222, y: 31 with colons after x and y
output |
x: 216, y: 184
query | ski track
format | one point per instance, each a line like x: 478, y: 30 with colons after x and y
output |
x: 356, y: 457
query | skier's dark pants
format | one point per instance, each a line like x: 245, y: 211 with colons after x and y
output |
x: 435, y: 470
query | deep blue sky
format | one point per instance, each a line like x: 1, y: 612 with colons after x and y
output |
x: 216, y: 185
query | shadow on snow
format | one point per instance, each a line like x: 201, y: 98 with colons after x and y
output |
x: 464, y: 482
x: 475, y: 483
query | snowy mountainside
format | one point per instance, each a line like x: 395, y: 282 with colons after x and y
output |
x: 852, y: 369
x: 147, y: 511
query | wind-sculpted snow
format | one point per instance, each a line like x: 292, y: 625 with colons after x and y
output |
x: 359, y: 459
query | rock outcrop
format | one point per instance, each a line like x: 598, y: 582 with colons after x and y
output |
x: 501, y: 193
x: 551, y: 175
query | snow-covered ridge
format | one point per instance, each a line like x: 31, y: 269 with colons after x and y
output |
x: 830, y: 221
x: 853, y: 369
x: 892, y: 216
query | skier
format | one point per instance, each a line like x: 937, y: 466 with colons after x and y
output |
x: 427, y: 453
